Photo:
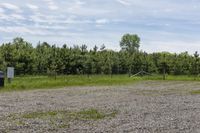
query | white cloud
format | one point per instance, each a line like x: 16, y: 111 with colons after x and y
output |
x: 2, y: 10
x: 161, y: 24
x: 17, y: 16
x: 56, y: 20
x: 3, y: 16
x: 75, y: 6
x: 102, y: 21
x: 32, y: 7
x: 80, y: 8
x: 80, y: 3
x: 123, y: 2
x: 53, y: 7
x: 23, y: 30
x: 51, y: 4
x: 175, y: 46
x: 11, y: 7
x: 13, y: 17
x: 15, y: 30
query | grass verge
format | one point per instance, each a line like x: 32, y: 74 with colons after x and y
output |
x: 42, y: 82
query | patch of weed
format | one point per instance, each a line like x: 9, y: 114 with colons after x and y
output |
x: 195, y: 92
x: 60, y: 119
x: 39, y: 115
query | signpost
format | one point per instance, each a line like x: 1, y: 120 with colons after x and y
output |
x: 10, y: 74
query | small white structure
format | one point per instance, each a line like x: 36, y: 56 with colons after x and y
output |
x: 10, y: 72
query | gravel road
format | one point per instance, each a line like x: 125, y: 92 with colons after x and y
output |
x: 143, y: 107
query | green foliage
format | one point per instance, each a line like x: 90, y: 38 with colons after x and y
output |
x: 130, y: 43
x: 46, y: 59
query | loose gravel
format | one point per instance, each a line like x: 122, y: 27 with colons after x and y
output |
x: 143, y: 107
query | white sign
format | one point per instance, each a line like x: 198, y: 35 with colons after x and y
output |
x: 10, y: 72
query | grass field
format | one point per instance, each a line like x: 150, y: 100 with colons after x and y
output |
x: 40, y: 82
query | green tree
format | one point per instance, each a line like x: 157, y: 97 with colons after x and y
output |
x: 195, y: 64
x: 130, y: 43
x: 43, y: 55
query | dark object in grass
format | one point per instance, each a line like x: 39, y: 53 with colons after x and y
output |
x: 1, y: 79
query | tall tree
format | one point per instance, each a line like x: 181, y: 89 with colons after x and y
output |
x: 196, y: 63
x: 130, y: 43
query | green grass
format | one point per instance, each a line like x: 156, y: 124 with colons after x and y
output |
x: 60, y: 119
x: 42, y: 82
x: 39, y: 115
x: 86, y: 114
x: 195, y: 92
x: 90, y: 114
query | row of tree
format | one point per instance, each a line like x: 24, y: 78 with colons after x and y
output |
x: 49, y: 59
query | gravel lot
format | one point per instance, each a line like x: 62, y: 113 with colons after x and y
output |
x: 146, y: 106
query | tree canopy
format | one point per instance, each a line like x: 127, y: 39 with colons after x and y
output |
x: 49, y: 59
x: 130, y: 43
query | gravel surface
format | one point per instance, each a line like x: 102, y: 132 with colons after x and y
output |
x: 143, y: 107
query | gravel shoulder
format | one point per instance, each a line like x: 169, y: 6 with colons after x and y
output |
x: 146, y: 106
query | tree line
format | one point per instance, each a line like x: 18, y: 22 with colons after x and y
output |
x: 50, y: 59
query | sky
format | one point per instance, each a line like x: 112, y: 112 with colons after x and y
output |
x: 163, y: 25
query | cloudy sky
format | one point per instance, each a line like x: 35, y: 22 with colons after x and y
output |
x: 163, y: 25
